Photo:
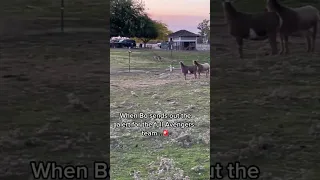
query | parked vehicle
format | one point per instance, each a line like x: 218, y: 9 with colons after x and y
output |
x: 115, y: 44
x: 128, y: 43
x: 123, y: 43
x: 164, y: 45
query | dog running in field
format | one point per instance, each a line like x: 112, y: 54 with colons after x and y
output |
x: 205, y: 67
x: 188, y: 69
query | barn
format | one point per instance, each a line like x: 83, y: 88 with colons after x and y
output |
x: 183, y: 40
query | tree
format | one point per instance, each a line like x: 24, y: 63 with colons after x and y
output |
x: 124, y: 17
x: 163, y: 31
x: 204, y: 28
x: 146, y: 29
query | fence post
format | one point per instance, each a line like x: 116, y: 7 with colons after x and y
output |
x: 62, y: 15
x: 171, y: 48
x: 129, y: 57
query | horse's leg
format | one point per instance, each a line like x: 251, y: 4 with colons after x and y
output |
x: 307, y: 35
x: 314, y: 37
x: 273, y: 42
x: 286, y: 43
x: 240, y: 46
x: 282, y: 43
x: 199, y: 75
x: 309, y: 43
x: 185, y: 76
x: 195, y: 75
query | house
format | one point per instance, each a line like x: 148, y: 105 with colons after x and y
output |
x: 183, y: 40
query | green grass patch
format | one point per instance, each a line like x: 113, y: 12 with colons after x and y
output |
x: 133, y: 152
x: 38, y: 121
x: 144, y: 58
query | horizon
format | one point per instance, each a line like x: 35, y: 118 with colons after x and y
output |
x: 178, y: 19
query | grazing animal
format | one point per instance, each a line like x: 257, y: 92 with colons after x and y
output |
x: 257, y: 27
x: 296, y: 21
x: 188, y: 69
x: 158, y: 58
x: 202, y: 68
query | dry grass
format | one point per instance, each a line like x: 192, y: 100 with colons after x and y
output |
x: 265, y: 108
x: 26, y: 16
x: 53, y: 102
x: 153, y: 90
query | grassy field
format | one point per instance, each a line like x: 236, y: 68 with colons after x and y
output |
x: 54, y: 102
x: 266, y: 108
x: 151, y: 89
x: 21, y: 16
x: 81, y: 9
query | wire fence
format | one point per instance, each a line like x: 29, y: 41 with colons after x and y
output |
x: 23, y: 16
x: 155, y: 58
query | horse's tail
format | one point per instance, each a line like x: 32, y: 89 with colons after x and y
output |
x: 318, y: 14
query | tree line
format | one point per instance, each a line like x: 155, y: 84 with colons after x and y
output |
x: 128, y: 18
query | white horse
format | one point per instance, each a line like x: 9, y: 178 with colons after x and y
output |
x: 295, y: 21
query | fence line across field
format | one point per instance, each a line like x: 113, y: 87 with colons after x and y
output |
x: 62, y: 15
x: 159, y: 57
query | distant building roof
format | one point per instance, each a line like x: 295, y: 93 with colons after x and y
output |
x: 183, y: 33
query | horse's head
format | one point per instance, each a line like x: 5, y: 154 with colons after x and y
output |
x: 226, y: 1
x: 270, y: 5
